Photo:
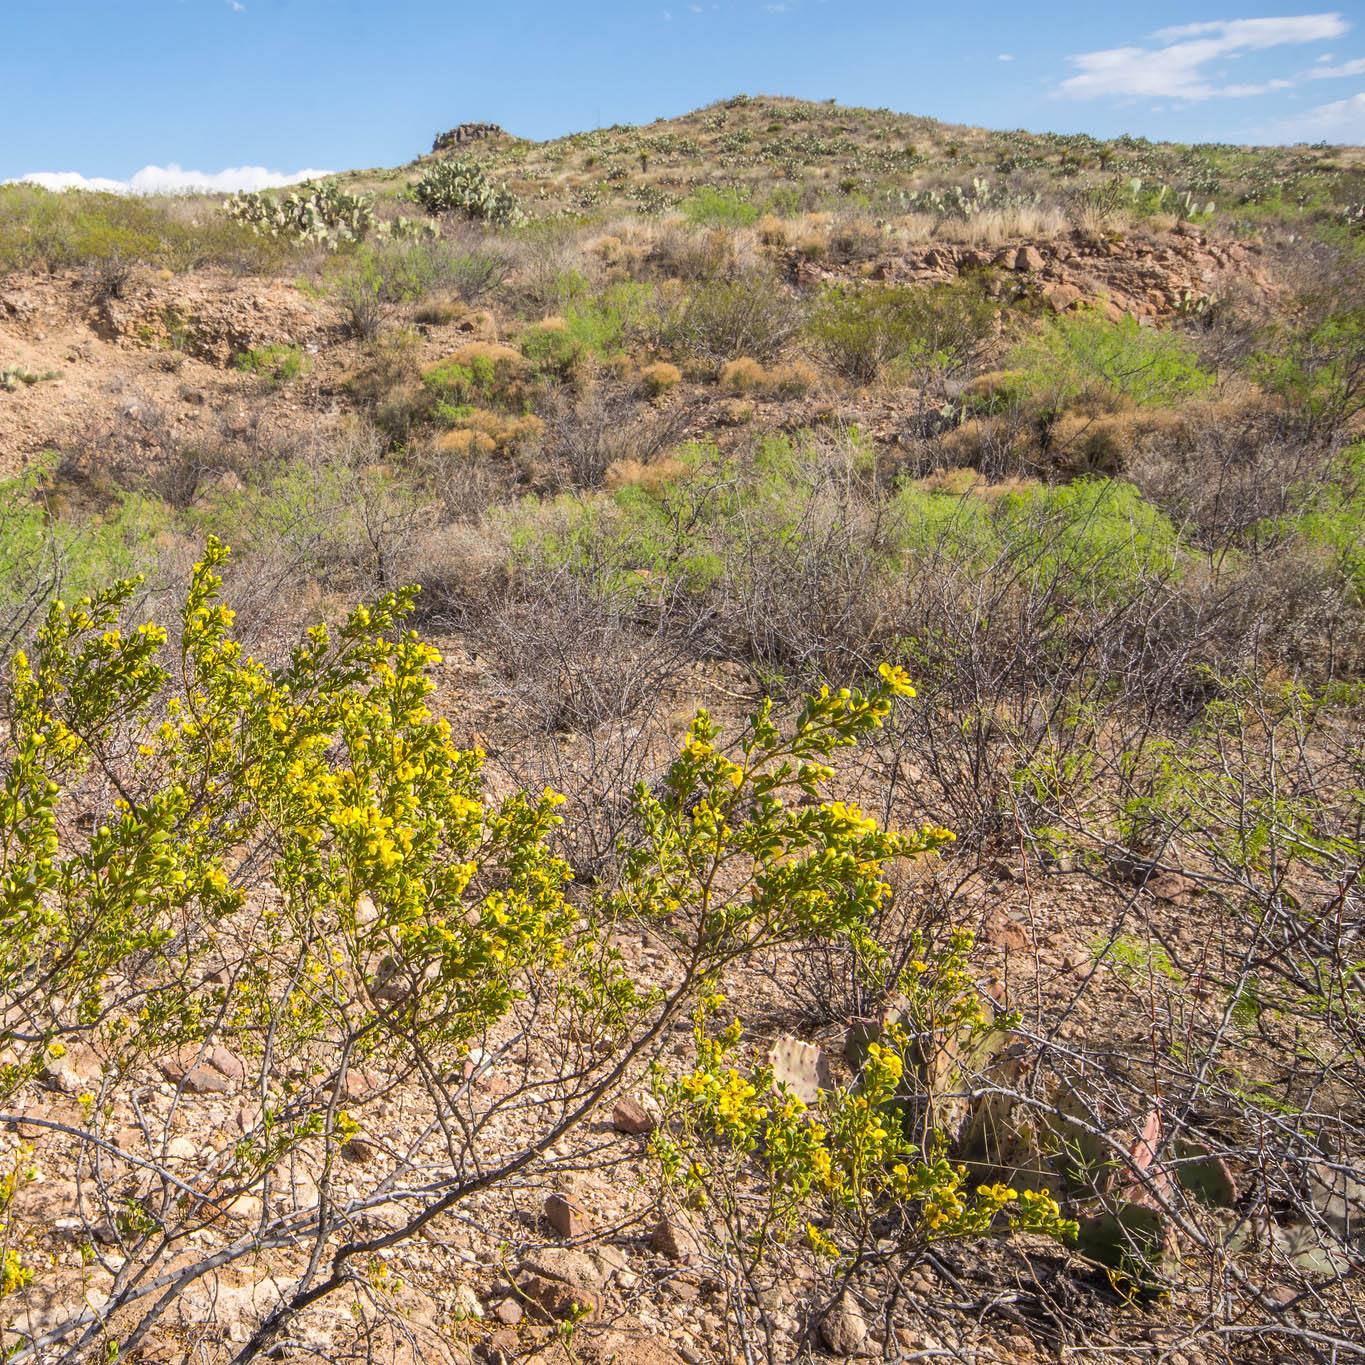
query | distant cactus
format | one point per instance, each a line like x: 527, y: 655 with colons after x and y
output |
x: 461, y: 185
x: 315, y: 212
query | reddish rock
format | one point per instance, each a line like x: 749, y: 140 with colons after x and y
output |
x: 630, y: 1116
x: 567, y: 1216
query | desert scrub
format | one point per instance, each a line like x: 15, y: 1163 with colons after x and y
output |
x: 1328, y: 515
x: 111, y: 233
x: 1082, y: 354
x: 1316, y: 364
x: 861, y: 330
x: 714, y: 207
x: 838, y: 1160
x: 750, y: 315
x: 1098, y: 535
x: 480, y: 371
x: 409, y: 911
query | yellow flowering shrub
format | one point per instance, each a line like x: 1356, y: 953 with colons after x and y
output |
x: 297, y: 862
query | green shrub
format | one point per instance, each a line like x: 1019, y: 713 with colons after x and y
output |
x: 862, y: 330
x: 458, y: 185
x: 364, y: 906
x: 714, y: 207
x: 1083, y: 353
x: 277, y: 363
x: 109, y: 233
x: 1318, y: 367
x: 751, y: 315
x: 1329, y: 513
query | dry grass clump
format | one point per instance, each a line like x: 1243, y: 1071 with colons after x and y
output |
x: 494, y: 353
x: 788, y: 380
x: 742, y: 375
x: 648, y: 474
x: 465, y: 441
x: 658, y: 378
x: 961, y: 483
x: 1087, y: 443
x: 771, y: 230
x: 482, y: 432
x: 439, y: 312
x: 995, y: 227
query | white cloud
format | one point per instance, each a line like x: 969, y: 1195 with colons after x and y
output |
x: 1340, y: 121
x: 1321, y: 72
x: 1174, y: 68
x: 172, y: 180
x: 1005, y: 57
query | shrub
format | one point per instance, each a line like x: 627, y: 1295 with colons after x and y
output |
x: 460, y: 185
x: 860, y: 331
x: 719, y: 208
x: 748, y: 316
x: 411, y: 921
x: 1083, y: 353
x: 1317, y: 365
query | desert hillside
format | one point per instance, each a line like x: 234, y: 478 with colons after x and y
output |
x: 733, y: 740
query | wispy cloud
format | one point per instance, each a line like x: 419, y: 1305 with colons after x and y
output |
x: 1005, y: 57
x: 1174, y: 66
x: 1326, y: 71
x: 1340, y: 121
x: 173, y: 180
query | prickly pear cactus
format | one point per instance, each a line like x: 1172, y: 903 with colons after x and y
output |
x: 801, y: 1067
x: 322, y: 213
x: 460, y: 185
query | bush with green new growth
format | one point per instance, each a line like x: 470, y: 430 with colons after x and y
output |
x: 1083, y: 354
x: 862, y: 330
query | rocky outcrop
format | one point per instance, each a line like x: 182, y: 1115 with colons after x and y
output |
x: 1149, y: 275
x: 466, y: 132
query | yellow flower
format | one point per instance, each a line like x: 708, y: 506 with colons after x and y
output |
x: 896, y: 679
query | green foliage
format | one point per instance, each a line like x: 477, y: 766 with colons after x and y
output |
x: 407, y: 912
x: 715, y: 207
x: 862, y: 330
x: 84, y: 229
x: 1083, y: 352
x: 1329, y: 513
x: 459, y: 185
x: 277, y: 362
x: 1317, y: 366
x: 837, y: 1161
x: 308, y: 759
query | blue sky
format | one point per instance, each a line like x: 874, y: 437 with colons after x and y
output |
x: 267, y: 88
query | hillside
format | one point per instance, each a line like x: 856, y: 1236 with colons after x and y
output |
x: 558, y: 991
